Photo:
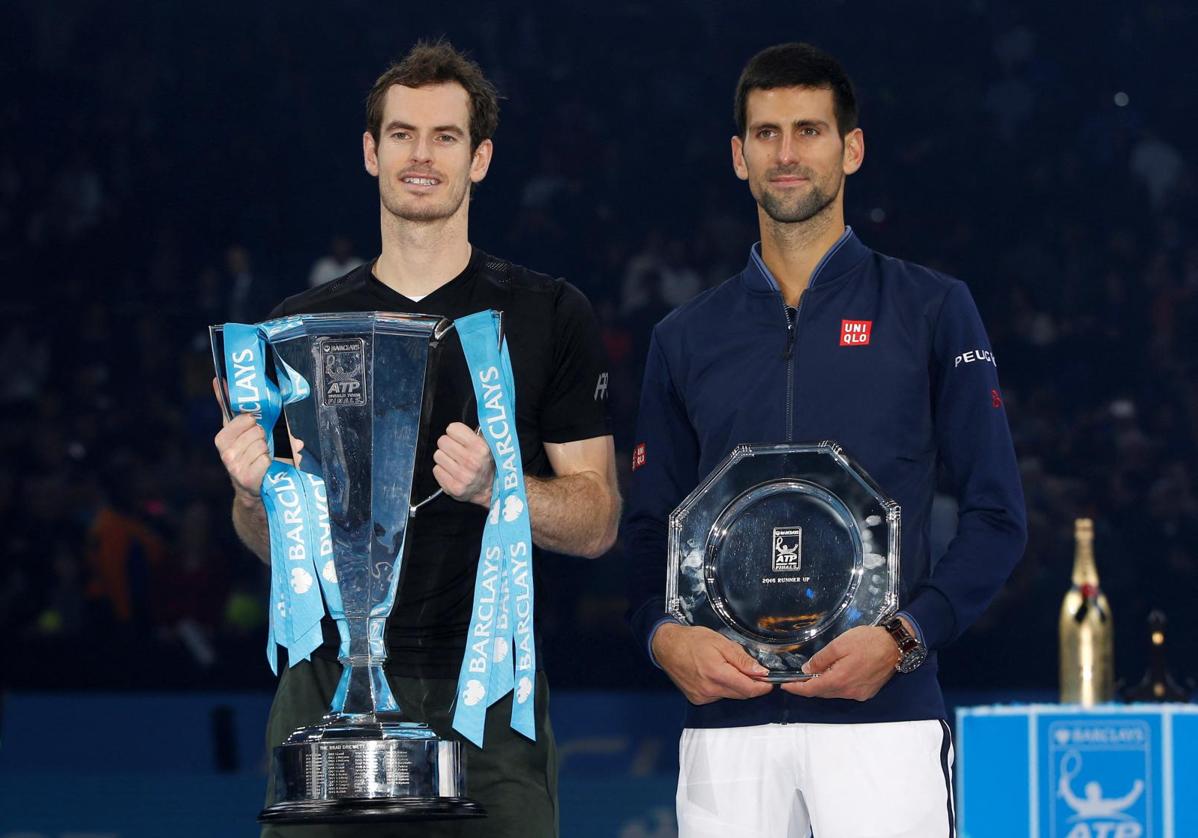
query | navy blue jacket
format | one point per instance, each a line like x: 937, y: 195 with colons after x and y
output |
x: 889, y: 359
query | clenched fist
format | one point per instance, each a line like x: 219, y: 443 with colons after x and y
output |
x: 464, y: 468
x: 242, y: 447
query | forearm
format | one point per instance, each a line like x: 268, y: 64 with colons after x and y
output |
x: 577, y: 514
x: 249, y: 522
x: 644, y: 544
x: 665, y: 470
x: 968, y: 576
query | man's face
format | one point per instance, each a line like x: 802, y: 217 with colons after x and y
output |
x: 422, y: 158
x: 792, y: 154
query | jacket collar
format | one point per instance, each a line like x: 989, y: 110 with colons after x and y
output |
x: 843, y: 255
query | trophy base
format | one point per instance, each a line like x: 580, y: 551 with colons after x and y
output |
x: 370, y: 810
x: 366, y: 768
x: 786, y: 677
x: 784, y: 665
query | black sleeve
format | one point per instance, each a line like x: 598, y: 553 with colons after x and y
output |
x: 575, y: 403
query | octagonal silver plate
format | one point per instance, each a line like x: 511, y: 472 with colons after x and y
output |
x: 782, y: 548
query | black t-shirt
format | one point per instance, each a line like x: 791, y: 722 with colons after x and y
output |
x: 560, y: 374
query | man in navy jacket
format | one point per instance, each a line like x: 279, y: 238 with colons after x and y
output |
x: 820, y: 337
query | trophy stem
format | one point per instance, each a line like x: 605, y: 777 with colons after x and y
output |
x: 363, y: 690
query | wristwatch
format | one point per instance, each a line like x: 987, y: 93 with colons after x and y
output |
x: 911, y: 651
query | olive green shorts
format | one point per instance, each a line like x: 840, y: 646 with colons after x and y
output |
x: 515, y: 780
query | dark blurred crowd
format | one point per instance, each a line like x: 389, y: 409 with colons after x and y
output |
x: 164, y: 170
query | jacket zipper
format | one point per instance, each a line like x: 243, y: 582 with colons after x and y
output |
x: 792, y: 333
x: 792, y: 328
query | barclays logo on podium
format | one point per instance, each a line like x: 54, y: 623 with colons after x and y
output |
x: 1099, y: 779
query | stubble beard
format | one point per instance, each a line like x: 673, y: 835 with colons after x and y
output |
x: 417, y: 212
x: 799, y: 209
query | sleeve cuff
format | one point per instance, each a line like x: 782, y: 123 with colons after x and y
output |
x: 574, y: 433
x: 665, y: 618
x: 914, y: 624
x: 931, y: 611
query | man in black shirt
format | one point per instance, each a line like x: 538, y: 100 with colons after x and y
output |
x: 428, y: 141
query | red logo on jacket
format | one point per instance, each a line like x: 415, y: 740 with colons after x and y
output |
x: 638, y: 456
x: 855, y: 332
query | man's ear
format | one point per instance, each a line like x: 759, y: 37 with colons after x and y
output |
x: 370, y: 156
x: 481, y: 161
x: 738, y: 158
x: 854, y: 150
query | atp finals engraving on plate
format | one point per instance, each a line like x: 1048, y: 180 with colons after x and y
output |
x: 788, y: 549
x: 342, y: 372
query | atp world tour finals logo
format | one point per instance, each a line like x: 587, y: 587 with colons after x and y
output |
x: 342, y: 372
x: 788, y: 549
x: 1100, y: 779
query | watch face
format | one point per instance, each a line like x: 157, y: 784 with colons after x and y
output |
x: 912, y: 660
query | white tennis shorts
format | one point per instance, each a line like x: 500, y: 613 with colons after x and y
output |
x: 890, y: 780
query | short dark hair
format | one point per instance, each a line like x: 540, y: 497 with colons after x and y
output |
x: 437, y: 62
x: 796, y: 65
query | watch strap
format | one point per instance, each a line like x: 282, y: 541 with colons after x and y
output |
x: 911, y: 651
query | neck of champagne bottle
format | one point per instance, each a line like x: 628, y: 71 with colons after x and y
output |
x: 1085, y: 572
x: 1156, y: 656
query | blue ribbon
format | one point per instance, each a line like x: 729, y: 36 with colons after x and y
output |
x: 500, y: 650
x: 296, y: 510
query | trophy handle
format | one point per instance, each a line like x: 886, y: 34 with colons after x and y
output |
x: 216, y: 340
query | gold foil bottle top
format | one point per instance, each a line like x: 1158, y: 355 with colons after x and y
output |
x: 1083, y: 530
x: 1085, y: 573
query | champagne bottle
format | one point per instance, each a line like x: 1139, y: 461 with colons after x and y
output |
x: 1086, y: 635
x: 1158, y: 684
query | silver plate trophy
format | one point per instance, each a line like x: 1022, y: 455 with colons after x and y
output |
x: 360, y: 427
x: 782, y: 548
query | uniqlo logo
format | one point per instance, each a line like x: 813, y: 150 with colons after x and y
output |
x: 855, y: 332
x: 638, y: 456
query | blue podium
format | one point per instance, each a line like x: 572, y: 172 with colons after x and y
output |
x: 1063, y: 771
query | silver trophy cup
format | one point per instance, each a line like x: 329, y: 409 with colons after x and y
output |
x: 361, y: 427
x: 782, y: 548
